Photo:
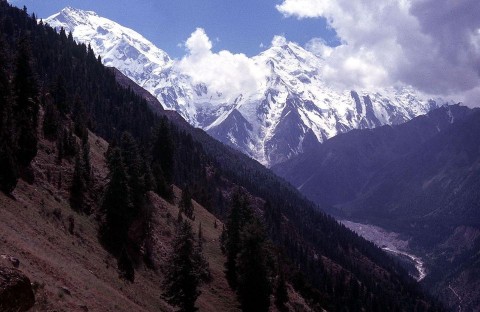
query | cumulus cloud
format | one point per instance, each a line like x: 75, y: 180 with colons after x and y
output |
x: 319, y: 47
x: 433, y: 45
x: 225, y: 72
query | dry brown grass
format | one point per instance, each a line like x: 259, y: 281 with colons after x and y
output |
x: 72, y: 272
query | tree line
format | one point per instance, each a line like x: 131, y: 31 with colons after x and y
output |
x: 148, y: 152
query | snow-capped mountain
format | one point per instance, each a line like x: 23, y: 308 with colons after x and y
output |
x: 291, y: 110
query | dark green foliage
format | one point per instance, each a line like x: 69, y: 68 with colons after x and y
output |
x: 8, y: 168
x: 8, y: 164
x: 59, y: 93
x: 80, y: 118
x: 162, y: 187
x: 244, y: 243
x: 163, y: 164
x: 117, y: 205
x: 189, y: 156
x: 150, y: 181
x: 134, y: 166
x: 186, y: 270
x: 185, y: 204
x: 51, y: 119
x: 240, y: 215
x: 126, y: 213
x: 253, y: 276
x: 25, y: 109
x: 66, y: 144
x: 163, y: 149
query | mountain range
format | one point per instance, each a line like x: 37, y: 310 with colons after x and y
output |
x: 94, y: 209
x: 289, y: 110
x: 419, y: 179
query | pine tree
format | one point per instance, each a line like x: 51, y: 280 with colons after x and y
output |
x: 133, y: 164
x: 240, y: 215
x: 163, y: 149
x: 162, y: 187
x: 25, y: 110
x: 253, y: 277
x: 185, y: 204
x: 8, y: 163
x: 185, y: 270
x: 80, y: 117
x: 8, y: 167
x: 51, y: 120
x: 59, y: 93
x: 117, y: 205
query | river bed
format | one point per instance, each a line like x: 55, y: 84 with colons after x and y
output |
x: 392, y: 243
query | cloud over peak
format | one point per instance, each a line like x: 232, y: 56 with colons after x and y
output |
x: 433, y: 45
x: 225, y: 72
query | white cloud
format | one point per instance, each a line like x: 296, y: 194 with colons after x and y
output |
x: 433, y: 45
x: 319, y: 47
x: 225, y: 72
x: 279, y: 41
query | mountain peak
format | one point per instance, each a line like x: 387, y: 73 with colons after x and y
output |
x: 291, y: 81
x: 119, y: 46
x: 71, y: 11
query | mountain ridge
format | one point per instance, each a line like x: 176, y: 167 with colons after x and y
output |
x: 336, y: 268
x: 291, y: 82
x: 418, y: 179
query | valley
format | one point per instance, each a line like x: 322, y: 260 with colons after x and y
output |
x: 133, y: 180
x: 392, y: 243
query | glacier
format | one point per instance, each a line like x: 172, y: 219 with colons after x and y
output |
x: 292, y: 109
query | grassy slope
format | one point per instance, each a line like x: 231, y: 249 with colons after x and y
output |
x: 34, y: 229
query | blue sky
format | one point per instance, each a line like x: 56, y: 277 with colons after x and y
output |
x: 432, y: 45
x: 239, y: 26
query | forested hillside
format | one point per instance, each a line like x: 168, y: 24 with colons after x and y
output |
x: 266, y: 219
x: 420, y: 179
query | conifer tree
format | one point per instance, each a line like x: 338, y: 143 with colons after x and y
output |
x: 253, y: 277
x: 186, y: 205
x: 163, y: 149
x: 133, y: 165
x: 25, y: 110
x: 185, y: 270
x: 162, y: 187
x: 8, y: 163
x: 51, y: 119
x: 117, y: 205
x: 240, y: 215
x: 59, y: 93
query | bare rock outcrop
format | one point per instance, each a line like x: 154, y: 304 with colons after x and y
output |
x: 16, y: 293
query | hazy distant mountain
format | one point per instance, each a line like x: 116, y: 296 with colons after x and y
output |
x: 291, y: 110
x: 421, y: 179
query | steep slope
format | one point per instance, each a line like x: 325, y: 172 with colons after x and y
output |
x: 290, y: 111
x: 72, y: 271
x: 330, y: 266
x: 337, y: 171
x: 419, y: 179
